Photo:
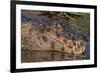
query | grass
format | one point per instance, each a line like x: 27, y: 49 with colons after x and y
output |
x: 82, y: 22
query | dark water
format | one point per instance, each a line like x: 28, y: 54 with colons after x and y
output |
x: 87, y: 50
x: 42, y: 56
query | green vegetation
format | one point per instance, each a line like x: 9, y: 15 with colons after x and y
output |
x: 82, y: 21
x: 74, y: 18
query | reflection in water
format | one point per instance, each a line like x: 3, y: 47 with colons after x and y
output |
x: 42, y: 56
